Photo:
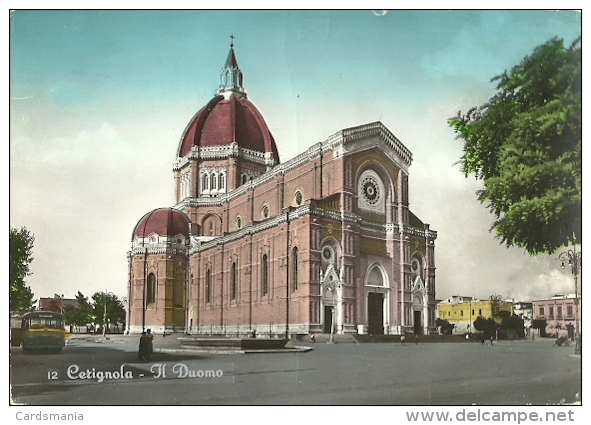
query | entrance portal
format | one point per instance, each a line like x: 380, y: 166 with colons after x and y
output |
x: 418, y: 328
x: 375, y: 313
x: 327, y: 319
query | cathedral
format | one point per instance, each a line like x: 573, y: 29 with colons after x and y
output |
x: 323, y: 243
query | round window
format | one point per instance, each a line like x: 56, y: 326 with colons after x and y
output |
x: 327, y: 253
x: 370, y: 190
x: 415, y: 266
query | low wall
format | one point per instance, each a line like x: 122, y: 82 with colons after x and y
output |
x: 234, y: 343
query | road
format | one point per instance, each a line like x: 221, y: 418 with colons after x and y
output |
x: 445, y: 374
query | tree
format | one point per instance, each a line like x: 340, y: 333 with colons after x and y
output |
x: 113, y: 314
x: 540, y: 324
x: 70, y: 315
x: 488, y: 326
x: 513, y: 326
x: 525, y: 146
x: 21, y: 251
x: 81, y: 315
x: 445, y: 326
x: 83, y: 303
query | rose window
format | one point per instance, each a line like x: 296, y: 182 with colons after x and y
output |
x: 370, y: 190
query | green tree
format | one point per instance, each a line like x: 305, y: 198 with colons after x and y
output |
x: 513, y: 326
x: 21, y: 251
x: 114, y: 313
x: 525, y: 146
x: 445, y: 326
x: 540, y: 324
x: 70, y: 315
x: 81, y: 315
x: 488, y: 326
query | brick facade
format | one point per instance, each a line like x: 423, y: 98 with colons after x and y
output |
x: 323, y: 242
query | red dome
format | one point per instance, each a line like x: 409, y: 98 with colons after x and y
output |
x: 164, y: 222
x: 227, y: 120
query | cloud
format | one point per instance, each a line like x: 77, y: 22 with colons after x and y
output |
x: 105, y: 133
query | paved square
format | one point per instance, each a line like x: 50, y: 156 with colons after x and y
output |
x: 508, y: 373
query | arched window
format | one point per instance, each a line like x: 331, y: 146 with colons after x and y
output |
x: 208, y: 286
x: 265, y: 213
x: 214, y: 181
x: 265, y: 275
x: 375, y: 277
x: 151, y: 289
x: 222, y: 182
x: 233, y: 282
x: 186, y: 185
x: 205, y: 184
x: 244, y: 179
x: 294, y: 269
x: 298, y: 198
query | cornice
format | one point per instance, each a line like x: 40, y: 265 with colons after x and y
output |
x: 223, y: 152
x: 314, y: 211
x: 380, y: 130
x: 161, y: 248
x: 335, y: 143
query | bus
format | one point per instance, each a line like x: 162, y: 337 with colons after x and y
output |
x: 43, y: 330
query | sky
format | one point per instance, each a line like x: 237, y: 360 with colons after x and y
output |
x: 99, y: 100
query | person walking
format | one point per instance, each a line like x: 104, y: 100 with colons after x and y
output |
x: 402, y: 339
x: 143, y: 351
x: 150, y: 343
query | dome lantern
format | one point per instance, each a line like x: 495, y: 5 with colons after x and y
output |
x: 231, y: 76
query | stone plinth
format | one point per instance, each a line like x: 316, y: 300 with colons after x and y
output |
x: 231, y: 343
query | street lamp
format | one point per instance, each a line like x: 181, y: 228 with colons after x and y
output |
x: 106, y: 294
x: 573, y: 259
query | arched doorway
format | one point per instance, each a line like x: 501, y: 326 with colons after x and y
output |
x: 328, y: 302
x: 377, y: 300
x: 417, y: 321
x: 375, y: 313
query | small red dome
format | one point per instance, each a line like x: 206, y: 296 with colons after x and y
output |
x: 164, y: 222
x: 226, y: 120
